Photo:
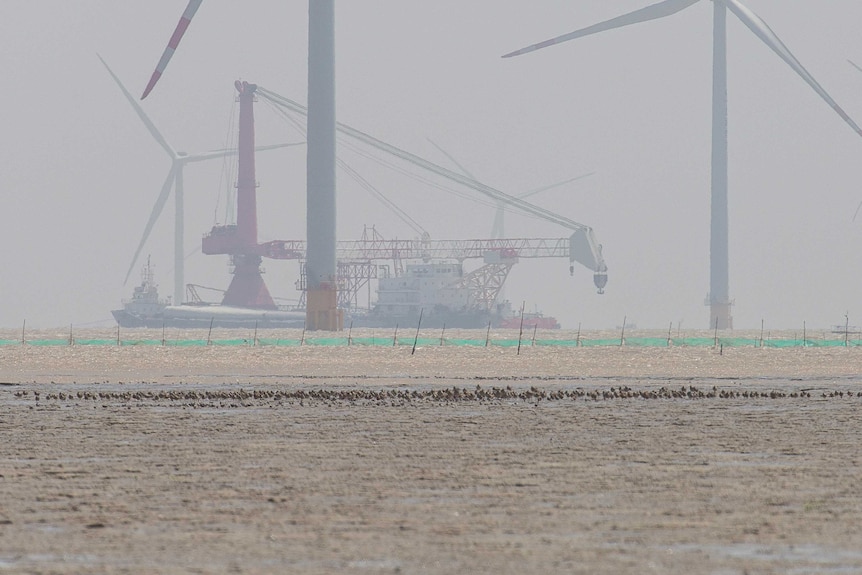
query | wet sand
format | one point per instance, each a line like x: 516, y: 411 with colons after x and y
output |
x: 146, y: 459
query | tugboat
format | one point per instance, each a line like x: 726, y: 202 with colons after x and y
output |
x: 145, y: 304
x: 532, y: 320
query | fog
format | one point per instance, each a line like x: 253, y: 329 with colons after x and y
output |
x: 80, y: 172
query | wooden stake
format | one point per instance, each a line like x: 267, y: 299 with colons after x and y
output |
x: 441, y: 334
x: 349, y: 332
x: 521, y: 329
x: 418, y: 325
x: 488, y: 334
x: 623, y: 332
x: 670, y: 327
x: 395, y: 336
x: 209, y: 334
x: 254, y: 339
x: 578, y: 339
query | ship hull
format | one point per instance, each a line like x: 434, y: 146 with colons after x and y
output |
x: 454, y: 320
x: 530, y: 323
x: 191, y: 317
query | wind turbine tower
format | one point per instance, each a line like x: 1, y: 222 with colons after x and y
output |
x: 322, y: 296
x: 322, y: 311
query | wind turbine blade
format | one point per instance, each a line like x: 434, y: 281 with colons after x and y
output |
x: 201, y: 156
x: 277, y: 146
x: 449, y: 156
x: 555, y: 185
x: 141, y: 114
x: 497, y: 226
x: 154, y: 215
x: 762, y: 30
x: 855, y: 65
x: 653, y: 12
x: 185, y: 20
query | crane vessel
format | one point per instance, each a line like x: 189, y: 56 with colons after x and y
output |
x: 413, y: 277
x: 420, y: 277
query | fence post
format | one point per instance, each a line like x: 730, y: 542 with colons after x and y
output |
x: 521, y: 329
x: 418, y: 325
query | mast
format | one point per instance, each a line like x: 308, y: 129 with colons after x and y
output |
x: 246, y: 197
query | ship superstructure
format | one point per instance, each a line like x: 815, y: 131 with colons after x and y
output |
x: 438, y: 291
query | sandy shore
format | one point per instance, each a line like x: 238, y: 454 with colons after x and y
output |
x: 85, y: 363
x: 143, y: 459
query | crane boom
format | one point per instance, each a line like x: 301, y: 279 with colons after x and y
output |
x: 454, y: 249
x: 584, y: 248
x: 428, y: 249
x: 425, y: 249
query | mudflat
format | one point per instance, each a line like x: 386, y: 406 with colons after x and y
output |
x: 249, y: 459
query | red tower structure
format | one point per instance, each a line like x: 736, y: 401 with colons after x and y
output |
x: 239, y: 241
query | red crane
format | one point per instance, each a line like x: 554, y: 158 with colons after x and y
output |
x: 239, y: 241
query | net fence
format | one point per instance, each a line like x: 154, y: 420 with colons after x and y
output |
x: 397, y: 340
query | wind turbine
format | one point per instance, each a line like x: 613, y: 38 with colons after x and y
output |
x: 173, y: 181
x: 322, y: 295
x: 719, y: 293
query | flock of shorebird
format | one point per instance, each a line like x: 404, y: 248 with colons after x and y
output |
x: 402, y: 396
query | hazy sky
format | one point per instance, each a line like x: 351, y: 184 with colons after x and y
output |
x: 80, y: 173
